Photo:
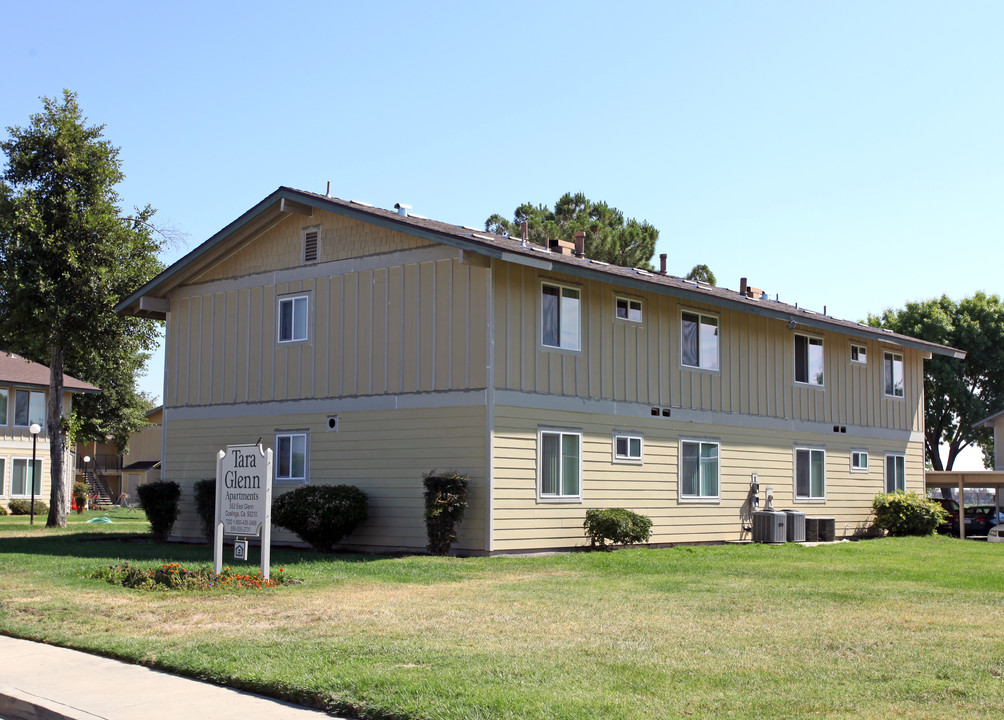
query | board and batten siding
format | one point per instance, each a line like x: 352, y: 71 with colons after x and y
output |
x: 384, y: 453
x: 520, y: 522
x: 641, y: 362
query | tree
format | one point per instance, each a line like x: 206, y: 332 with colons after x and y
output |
x: 609, y: 237
x: 957, y: 393
x: 702, y: 273
x: 67, y: 256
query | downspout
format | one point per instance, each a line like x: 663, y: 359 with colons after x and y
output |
x: 490, y: 414
x: 163, y: 399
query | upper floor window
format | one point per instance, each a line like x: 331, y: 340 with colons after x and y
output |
x: 810, y: 474
x: 895, y: 473
x: 699, y: 341
x: 859, y: 354
x: 628, y: 309
x: 808, y: 360
x: 293, y: 318
x: 560, y: 317
x: 29, y: 407
x: 560, y: 466
x: 699, y: 470
x: 893, y: 372
x: 291, y: 457
x: 4, y: 399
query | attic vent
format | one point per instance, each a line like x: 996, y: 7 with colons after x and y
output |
x: 311, y: 241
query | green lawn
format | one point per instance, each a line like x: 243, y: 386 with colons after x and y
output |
x: 895, y: 628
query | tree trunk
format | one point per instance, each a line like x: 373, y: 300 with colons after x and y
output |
x: 57, y: 439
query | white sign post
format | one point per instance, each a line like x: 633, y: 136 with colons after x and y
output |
x: 244, y: 499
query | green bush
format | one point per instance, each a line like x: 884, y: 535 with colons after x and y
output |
x: 205, y: 506
x: 902, y: 514
x: 619, y: 526
x: 23, y: 507
x: 3, y: 511
x: 445, y: 503
x: 321, y: 515
x: 159, y: 501
x: 81, y: 491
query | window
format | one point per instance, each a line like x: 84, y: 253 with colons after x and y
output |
x: 895, y: 473
x: 311, y: 244
x: 698, y: 469
x: 22, y: 475
x: 700, y: 341
x: 859, y: 460
x: 3, y: 406
x: 627, y: 448
x: 29, y: 407
x: 559, y: 317
x: 808, y: 360
x: 810, y: 474
x: 628, y: 309
x: 291, y: 457
x: 293, y: 319
x: 859, y: 354
x: 3, y: 476
x: 893, y: 372
x: 560, y: 466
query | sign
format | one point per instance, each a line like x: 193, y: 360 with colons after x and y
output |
x: 243, y: 501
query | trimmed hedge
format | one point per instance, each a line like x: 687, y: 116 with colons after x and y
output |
x: 445, y: 503
x: 321, y: 515
x: 901, y: 514
x: 23, y: 507
x: 205, y: 506
x: 159, y: 501
x: 617, y: 525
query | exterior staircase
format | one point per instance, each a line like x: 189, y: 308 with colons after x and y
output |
x: 100, y: 495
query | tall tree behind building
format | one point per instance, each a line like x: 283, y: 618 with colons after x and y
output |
x: 67, y: 256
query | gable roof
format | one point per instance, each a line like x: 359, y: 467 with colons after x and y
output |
x: 15, y: 370
x: 988, y: 422
x: 151, y: 299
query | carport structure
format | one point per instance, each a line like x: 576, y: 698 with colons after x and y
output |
x: 962, y: 480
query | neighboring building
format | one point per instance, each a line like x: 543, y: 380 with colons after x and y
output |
x: 113, y: 477
x: 996, y: 423
x: 141, y: 464
x: 24, y: 401
x: 369, y: 347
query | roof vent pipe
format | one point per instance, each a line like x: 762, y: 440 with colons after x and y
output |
x: 402, y: 209
x: 524, y: 233
x: 580, y: 244
x: 742, y: 286
x: 662, y: 263
x: 328, y: 193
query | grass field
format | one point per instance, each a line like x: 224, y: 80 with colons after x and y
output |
x: 894, y: 628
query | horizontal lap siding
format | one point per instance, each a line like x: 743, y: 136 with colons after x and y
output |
x: 521, y: 523
x: 384, y: 453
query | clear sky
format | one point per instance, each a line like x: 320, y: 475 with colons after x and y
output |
x: 846, y: 154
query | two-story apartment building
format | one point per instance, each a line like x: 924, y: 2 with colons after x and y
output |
x: 368, y: 346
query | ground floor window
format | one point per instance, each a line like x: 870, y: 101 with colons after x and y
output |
x: 895, y: 473
x: 699, y: 469
x: 859, y: 460
x: 21, y: 477
x: 560, y: 464
x: 291, y: 457
x: 627, y: 448
x: 810, y: 474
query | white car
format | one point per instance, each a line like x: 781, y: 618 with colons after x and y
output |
x: 996, y: 534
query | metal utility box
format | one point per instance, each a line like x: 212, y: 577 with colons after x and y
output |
x: 770, y: 526
x: 820, y: 529
x: 796, y: 526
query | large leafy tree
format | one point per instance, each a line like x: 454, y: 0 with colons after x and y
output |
x: 67, y: 256
x: 957, y: 393
x: 609, y: 236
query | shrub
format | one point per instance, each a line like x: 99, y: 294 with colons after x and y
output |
x: 321, y: 515
x: 81, y: 491
x: 619, y: 526
x: 445, y: 503
x: 3, y: 511
x: 902, y: 514
x: 159, y: 501
x: 205, y: 506
x: 23, y: 507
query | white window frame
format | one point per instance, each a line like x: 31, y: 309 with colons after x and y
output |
x: 565, y: 317
x: 303, y: 244
x: 32, y: 394
x: 5, y: 405
x: 629, y: 301
x: 291, y: 479
x: 629, y: 458
x: 889, y: 360
x: 292, y: 299
x: 41, y: 477
x: 3, y: 477
x: 700, y: 498
x: 859, y: 354
x: 702, y: 357
x: 810, y: 498
x: 859, y: 468
x: 810, y: 341
x: 885, y: 472
x: 558, y: 497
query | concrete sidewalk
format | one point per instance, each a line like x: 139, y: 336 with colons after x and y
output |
x: 42, y: 682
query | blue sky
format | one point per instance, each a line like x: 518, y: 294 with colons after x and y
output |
x: 843, y: 154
